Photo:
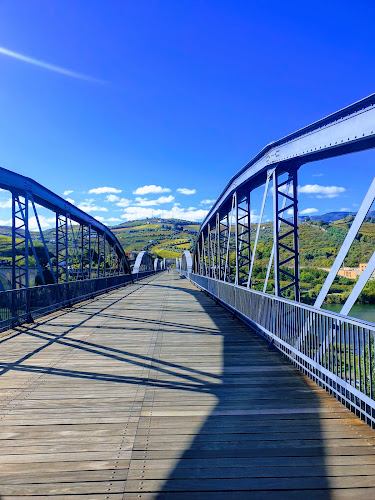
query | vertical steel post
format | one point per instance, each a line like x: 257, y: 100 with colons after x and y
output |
x: 14, y: 279
x: 235, y: 200
x: 275, y: 232
x: 82, y: 252
x: 26, y: 224
x: 248, y: 230
x: 99, y: 251
x: 209, y: 250
x: 90, y: 257
x: 104, y: 255
x: 282, y: 238
x: 66, y: 239
x: 217, y: 249
x: 296, y: 236
x: 57, y: 273
x: 244, y: 248
x: 27, y: 276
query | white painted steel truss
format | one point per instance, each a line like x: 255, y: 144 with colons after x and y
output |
x: 224, y: 249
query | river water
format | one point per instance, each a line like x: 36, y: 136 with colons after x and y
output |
x: 366, y: 312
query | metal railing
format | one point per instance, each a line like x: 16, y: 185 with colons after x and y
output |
x: 335, y: 351
x: 24, y: 304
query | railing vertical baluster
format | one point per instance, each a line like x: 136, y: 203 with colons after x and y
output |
x: 364, y: 361
x: 330, y: 340
x: 333, y: 349
x: 336, y: 348
x: 345, y: 356
x: 370, y: 364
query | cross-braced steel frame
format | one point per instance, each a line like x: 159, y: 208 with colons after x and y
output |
x: 78, y: 247
x: 227, y: 247
x: 336, y: 351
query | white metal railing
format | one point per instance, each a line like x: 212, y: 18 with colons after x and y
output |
x: 336, y: 351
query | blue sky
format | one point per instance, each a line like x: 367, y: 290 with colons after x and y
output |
x: 177, y: 96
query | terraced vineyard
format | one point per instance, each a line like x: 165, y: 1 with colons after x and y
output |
x: 166, y: 238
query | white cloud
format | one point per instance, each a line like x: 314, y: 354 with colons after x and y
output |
x: 133, y: 213
x: 67, y: 192
x: 283, y: 189
x: 254, y: 219
x: 70, y: 200
x: 6, y: 222
x: 308, y: 211
x: 345, y: 210
x: 207, y: 202
x: 100, y: 218
x: 123, y: 203
x: 48, y: 66
x: 88, y: 206
x: 45, y: 222
x: 321, y: 191
x: 317, y: 175
x: 144, y: 202
x: 186, y: 191
x: 151, y: 189
x: 104, y: 189
x: 6, y: 204
x: 165, y: 199
x: 112, y: 198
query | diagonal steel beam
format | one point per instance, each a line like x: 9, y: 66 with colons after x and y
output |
x: 269, y: 174
x: 354, y: 228
x: 362, y: 280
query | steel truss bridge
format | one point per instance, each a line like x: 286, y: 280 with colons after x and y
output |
x: 153, y: 389
x: 335, y: 350
x: 88, y: 258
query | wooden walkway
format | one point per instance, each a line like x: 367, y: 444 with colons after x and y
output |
x: 156, y: 392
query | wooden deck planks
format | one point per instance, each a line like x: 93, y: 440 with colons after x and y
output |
x: 155, y: 391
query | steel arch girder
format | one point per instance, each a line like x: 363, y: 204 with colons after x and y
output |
x: 21, y: 185
x: 349, y: 130
x: 143, y: 262
x: 186, y: 263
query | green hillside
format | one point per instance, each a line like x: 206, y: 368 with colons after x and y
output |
x: 319, y: 244
x: 163, y: 238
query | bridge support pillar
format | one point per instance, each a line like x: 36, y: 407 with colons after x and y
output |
x: 286, y: 245
x: 243, y: 248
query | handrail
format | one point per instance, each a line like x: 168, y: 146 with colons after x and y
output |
x: 335, y: 351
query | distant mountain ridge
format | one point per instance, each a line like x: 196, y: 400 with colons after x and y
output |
x: 174, y: 223
x: 334, y: 216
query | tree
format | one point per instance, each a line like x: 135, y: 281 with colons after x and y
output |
x: 41, y: 254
